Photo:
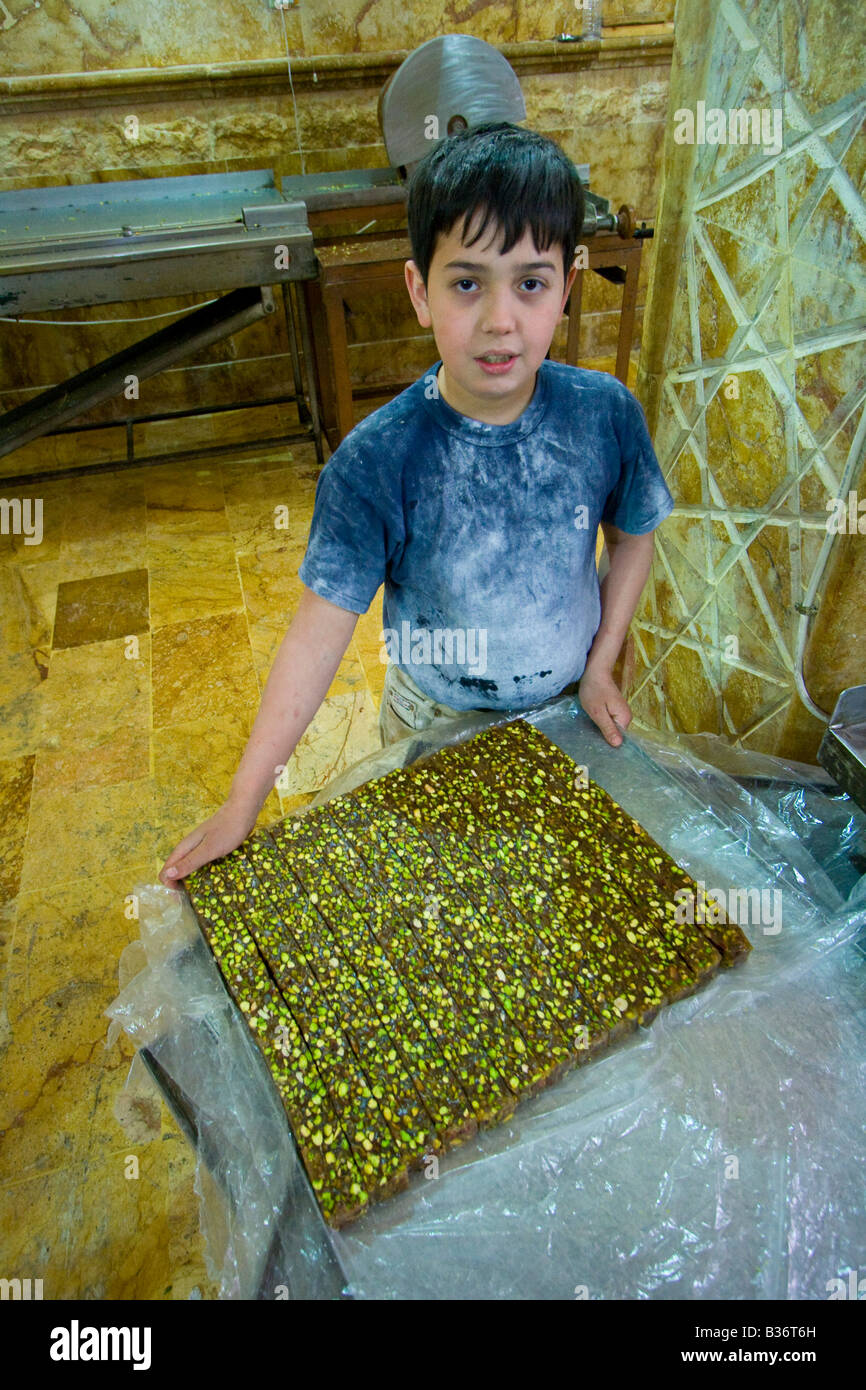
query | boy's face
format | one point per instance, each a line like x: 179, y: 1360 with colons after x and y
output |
x: 479, y: 302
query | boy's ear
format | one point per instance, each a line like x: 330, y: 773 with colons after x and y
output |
x: 568, y: 284
x: 418, y: 294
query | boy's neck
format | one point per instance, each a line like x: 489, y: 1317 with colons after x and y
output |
x: 506, y: 415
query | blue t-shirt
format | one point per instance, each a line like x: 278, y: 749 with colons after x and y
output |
x: 484, y: 535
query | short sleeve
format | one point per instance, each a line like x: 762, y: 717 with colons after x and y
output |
x: 640, y: 501
x: 347, y: 549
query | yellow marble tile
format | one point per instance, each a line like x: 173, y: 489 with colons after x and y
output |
x: 157, y: 439
x: 62, y: 974
x: 302, y: 455
x: 21, y: 691
x: 271, y: 588
x: 32, y: 525
x: 75, y: 835
x: 103, y: 553
x: 121, y: 755
x: 196, y: 582
x: 344, y: 729
x: 56, y: 1106
x: 266, y: 638
x: 100, y: 607
x: 268, y: 510
x: 96, y: 689
x: 8, y: 913
x: 11, y: 537
x: 297, y: 455
x: 65, y: 451
x: 25, y: 626
x: 176, y: 487
x: 202, y: 668
x: 36, y: 588
x: 125, y: 1251
x: 117, y: 490
x: 16, y: 778
x: 40, y: 1230
x: 244, y: 426
x: 90, y: 1232
x: 169, y: 529
x: 194, y: 764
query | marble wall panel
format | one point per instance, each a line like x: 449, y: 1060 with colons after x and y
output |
x: 100, y: 35
x: 751, y: 375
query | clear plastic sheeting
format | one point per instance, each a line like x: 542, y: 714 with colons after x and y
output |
x: 717, y: 1153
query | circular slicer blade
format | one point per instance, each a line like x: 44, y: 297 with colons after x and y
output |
x: 457, y: 79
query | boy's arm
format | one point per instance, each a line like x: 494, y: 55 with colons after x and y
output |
x: 298, y: 682
x: 622, y: 586
x: 299, y: 679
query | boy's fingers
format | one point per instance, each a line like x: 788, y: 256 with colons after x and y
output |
x: 612, y: 720
x: 622, y: 717
x: 619, y: 722
x: 186, y: 865
x: 176, y: 865
x: 603, y: 721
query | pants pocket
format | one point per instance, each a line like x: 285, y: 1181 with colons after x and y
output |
x: 400, y: 716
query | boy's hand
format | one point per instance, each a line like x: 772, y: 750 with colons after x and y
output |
x: 219, y: 835
x: 604, y: 702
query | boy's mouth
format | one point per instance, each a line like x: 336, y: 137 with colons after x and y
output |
x: 496, y: 361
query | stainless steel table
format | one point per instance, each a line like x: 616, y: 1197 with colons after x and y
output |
x: 235, y: 235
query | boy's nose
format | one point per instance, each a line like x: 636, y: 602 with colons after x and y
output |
x: 497, y: 315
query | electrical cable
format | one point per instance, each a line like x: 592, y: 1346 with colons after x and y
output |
x: 292, y: 87
x: 88, y: 323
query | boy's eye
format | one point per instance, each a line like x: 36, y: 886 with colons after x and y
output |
x: 533, y: 281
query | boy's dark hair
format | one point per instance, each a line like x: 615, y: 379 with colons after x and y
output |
x: 517, y: 177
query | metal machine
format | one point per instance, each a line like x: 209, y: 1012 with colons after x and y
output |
x: 107, y: 243
x: 456, y: 81
x: 843, y: 747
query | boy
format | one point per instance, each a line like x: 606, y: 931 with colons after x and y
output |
x: 475, y: 494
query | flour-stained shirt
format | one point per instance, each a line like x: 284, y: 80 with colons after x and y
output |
x: 484, y: 535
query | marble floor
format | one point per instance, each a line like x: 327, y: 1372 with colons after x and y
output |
x: 137, y: 637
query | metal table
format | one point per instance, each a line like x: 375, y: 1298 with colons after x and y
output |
x: 107, y: 243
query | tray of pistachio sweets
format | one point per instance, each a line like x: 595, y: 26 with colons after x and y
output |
x: 419, y: 955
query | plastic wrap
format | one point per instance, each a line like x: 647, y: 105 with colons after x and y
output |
x: 717, y: 1153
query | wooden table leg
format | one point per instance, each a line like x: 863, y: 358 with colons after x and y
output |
x: 572, y: 345
x: 627, y: 311
x: 312, y: 292
x: 335, y: 314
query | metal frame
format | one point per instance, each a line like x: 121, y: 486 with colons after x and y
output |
x: 149, y: 238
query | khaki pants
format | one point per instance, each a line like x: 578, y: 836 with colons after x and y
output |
x: 405, y: 709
